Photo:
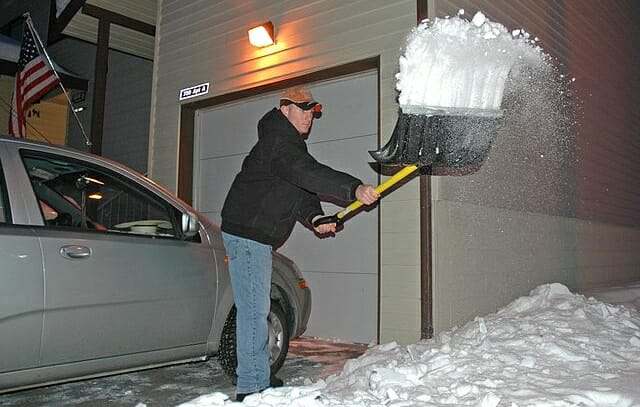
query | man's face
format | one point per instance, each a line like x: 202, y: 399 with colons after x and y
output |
x: 301, y: 119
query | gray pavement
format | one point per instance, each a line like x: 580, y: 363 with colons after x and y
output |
x: 308, y: 361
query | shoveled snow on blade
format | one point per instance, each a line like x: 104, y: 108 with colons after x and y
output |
x: 452, y: 63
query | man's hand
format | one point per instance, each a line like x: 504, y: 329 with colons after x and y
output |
x: 367, y: 194
x: 326, y: 228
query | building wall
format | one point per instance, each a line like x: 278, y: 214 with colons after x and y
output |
x: 204, y: 42
x: 484, y: 257
x: 127, y: 105
x: 120, y: 38
x: 47, y: 120
x: 550, y: 207
x: 6, y: 90
x: 127, y: 110
x: 607, y: 70
x: 77, y: 56
x: 522, y: 216
x: 12, y: 11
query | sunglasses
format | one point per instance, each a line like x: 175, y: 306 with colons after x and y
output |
x: 313, y: 106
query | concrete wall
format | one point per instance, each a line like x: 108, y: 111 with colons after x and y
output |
x: 200, y: 42
x: 484, y: 257
x: 606, y: 254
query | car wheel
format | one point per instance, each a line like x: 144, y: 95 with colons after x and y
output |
x: 278, y: 341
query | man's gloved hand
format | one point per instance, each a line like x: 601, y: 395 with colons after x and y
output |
x: 367, y: 194
x: 326, y: 228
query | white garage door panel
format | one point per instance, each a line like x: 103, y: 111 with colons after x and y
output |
x: 216, y: 176
x: 354, y: 249
x: 353, y: 113
x: 333, y: 296
x: 232, y: 129
x: 342, y: 271
x: 348, y: 155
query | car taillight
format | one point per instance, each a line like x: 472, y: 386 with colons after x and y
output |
x: 302, y: 283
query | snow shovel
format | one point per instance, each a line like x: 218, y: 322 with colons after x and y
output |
x: 451, y: 81
x: 428, y: 139
x: 431, y: 138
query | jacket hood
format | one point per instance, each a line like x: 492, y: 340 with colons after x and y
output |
x: 276, y: 123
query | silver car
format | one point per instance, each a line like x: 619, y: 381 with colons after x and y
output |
x: 103, y: 271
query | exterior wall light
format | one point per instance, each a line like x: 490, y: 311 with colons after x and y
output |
x: 262, y: 35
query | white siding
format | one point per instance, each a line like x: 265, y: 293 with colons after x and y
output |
x: 122, y: 39
x: 207, y: 42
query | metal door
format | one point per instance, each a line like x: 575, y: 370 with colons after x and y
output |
x: 21, y: 284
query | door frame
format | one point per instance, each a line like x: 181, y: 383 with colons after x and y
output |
x: 187, y: 136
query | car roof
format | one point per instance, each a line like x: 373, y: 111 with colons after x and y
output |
x: 27, y: 142
x: 69, y: 150
x: 73, y: 151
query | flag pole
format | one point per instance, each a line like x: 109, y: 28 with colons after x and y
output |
x: 27, y: 17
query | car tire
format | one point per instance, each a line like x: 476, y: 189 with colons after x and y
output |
x: 278, y: 341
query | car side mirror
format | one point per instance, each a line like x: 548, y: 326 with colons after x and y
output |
x: 190, y: 224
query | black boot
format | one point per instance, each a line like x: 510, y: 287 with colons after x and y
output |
x: 273, y: 382
x: 241, y: 396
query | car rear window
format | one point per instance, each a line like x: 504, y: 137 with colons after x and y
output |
x: 5, y: 214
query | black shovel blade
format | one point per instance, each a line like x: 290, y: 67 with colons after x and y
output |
x: 443, y: 141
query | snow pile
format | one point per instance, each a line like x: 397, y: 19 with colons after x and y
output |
x: 453, y: 63
x: 551, y: 348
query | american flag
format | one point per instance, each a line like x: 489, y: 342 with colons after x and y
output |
x: 35, y: 77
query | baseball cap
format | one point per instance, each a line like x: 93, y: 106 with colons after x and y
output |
x: 301, y: 97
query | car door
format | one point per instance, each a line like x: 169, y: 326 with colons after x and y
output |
x: 21, y: 282
x: 118, y: 277
x: 21, y: 285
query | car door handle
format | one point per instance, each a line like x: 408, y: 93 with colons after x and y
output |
x: 75, y: 252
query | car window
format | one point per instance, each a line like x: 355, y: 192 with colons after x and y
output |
x: 4, y: 200
x: 78, y: 195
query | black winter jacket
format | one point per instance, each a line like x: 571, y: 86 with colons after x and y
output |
x: 279, y: 184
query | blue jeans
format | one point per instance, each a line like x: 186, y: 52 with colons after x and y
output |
x: 250, y: 265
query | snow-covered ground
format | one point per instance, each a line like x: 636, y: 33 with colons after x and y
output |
x: 551, y: 348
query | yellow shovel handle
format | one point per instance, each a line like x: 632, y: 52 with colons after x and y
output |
x: 397, y: 177
x: 337, y: 218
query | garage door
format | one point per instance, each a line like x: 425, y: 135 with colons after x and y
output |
x: 342, y: 271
